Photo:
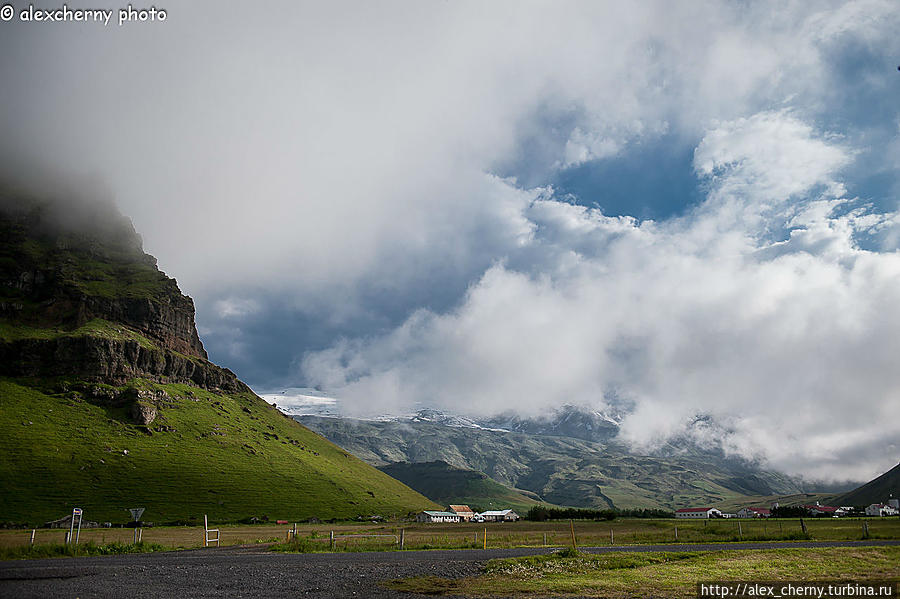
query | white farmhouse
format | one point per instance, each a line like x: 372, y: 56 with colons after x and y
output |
x: 880, y: 509
x: 754, y: 512
x: 499, y: 516
x: 698, y: 513
x: 428, y: 516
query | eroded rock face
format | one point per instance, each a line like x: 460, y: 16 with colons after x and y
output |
x: 111, y: 361
x: 58, y: 275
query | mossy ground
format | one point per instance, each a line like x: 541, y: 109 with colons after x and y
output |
x: 662, y: 574
x: 228, y: 456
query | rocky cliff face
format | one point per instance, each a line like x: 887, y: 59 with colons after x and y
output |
x: 80, y: 298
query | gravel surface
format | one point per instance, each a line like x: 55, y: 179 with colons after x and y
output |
x: 253, y: 572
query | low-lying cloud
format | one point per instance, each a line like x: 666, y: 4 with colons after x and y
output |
x: 758, y: 308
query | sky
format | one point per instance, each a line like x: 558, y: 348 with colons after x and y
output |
x: 680, y: 210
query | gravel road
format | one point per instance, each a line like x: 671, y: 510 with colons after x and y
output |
x: 252, y: 572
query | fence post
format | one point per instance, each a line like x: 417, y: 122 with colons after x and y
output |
x: 545, y: 539
x: 865, y: 529
x: 68, y: 534
x: 32, y: 537
x: 611, y: 538
x: 802, y: 525
x: 332, y: 540
x: 402, y: 530
x: 572, y: 527
x: 676, y: 533
x: 740, y: 531
x: 485, y: 537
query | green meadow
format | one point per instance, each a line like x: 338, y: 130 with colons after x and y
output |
x: 232, y: 457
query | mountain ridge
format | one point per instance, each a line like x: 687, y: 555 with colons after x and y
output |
x: 561, y: 470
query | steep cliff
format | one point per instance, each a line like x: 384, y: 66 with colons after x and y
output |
x: 108, y: 400
x: 80, y: 297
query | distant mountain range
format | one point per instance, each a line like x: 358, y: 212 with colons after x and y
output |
x: 570, y: 457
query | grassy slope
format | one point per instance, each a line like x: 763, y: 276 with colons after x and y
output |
x: 878, y: 490
x: 230, y: 456
x: 448, y: 484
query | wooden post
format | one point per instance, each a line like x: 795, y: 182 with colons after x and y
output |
x: 140, y: 535
x: 295, y: 530
x: 780, y: 527
x: 676, y: 533
x: 32, y: 537
x: 865, y: 529
x: 485, y: 537
x: 402, y: 530
x: 205, y: 529
x: 68, y: 534
x: 612, y: 540
x: 134, y: 536
x: 332, y: 540
x: 740, y: 531
x: 545, y: 539
x: 802, y: 525
x: 572, y: 527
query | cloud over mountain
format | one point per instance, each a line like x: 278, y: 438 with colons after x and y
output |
x: 412, y: 201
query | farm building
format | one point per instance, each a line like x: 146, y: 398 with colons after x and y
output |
x: 499, y: 516
x: 754, y: 512
x: 428, y: 516
x: 696, y: 513
x: 465, y: 512
x: 824, y: 510
x: 880, y: 509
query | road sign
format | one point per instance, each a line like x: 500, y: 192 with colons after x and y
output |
x: 136, y: 513
x: 76, y: 511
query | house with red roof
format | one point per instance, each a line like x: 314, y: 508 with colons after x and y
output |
x: 824, y: 510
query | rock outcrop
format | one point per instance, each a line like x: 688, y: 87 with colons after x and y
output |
x: 55, y: 279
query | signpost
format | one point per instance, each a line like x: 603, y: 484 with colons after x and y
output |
x: 136, y: 513
x: 75, y: 512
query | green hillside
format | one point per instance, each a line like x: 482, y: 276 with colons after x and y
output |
x: 448, y: 484
x: 878, y: 490
x: 231, y: 456
x: 108, y: 400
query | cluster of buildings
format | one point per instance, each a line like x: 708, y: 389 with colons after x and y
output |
x: 463, y: 513
x: 891, y: 508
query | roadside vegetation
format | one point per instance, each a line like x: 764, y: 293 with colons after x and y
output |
x: 82, y: 549
x: 625, y: 531
x: 666, y: 574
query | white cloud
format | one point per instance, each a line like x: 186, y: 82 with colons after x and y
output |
x: 791, y: 349
x: 343, y: 150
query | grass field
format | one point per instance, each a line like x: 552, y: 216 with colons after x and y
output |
x: 664, y: 574
x: 231, y: 456
x: 315, y: 537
